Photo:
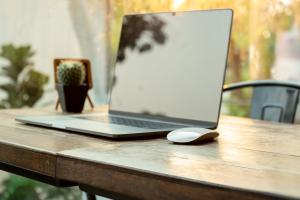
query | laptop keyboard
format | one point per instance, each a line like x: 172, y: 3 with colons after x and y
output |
x: 131, y: 122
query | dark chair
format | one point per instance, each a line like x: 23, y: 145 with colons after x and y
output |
x: 271, y: 100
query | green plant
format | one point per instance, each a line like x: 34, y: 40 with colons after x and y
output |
x: 24, y: 86
x: 71, y: 73
x: 19, y: 188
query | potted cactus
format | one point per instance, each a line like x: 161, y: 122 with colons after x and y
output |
x: 71, y: 86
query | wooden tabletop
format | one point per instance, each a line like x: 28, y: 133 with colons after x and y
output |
x: 250, y: 160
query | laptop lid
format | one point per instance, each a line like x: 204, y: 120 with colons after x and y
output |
x: 172, y: 65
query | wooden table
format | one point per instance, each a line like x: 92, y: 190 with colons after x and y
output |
x: 250, y: 160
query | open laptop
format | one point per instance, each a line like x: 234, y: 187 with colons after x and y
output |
x: 169, y: 74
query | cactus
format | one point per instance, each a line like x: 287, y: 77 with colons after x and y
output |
x: 71, y: 73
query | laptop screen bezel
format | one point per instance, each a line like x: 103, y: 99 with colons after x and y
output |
x: 205, y: 124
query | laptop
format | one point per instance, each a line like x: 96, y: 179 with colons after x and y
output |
x: 169, y: 74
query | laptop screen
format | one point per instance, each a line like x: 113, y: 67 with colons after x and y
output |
x: 172, y: 64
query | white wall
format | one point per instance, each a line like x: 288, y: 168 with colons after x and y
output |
x: 51, y: 29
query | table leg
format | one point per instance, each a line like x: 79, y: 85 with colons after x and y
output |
x: 89, y: 196
x: 102, y: 194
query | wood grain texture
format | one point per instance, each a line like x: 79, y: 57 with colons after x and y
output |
x: 249, y: 155
x: 36, y: 138
x: 34, y: 148
x: 134, y: 183
x: 250, y: 160
x: 23, y: 158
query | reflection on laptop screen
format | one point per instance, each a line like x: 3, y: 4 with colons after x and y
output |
x: 172, y: 65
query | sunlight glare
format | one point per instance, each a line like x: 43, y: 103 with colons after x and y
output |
x: 177, y: 3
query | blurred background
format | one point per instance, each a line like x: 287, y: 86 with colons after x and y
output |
x: 265, y: 44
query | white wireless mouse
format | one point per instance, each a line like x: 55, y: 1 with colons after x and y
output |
x: 192, y: 134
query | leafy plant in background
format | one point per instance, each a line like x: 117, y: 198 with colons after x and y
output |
x: 25, y: 84
x: 19, y: 188
x: 24, y: 87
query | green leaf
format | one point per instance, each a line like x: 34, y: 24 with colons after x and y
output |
x: 29, y: 90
